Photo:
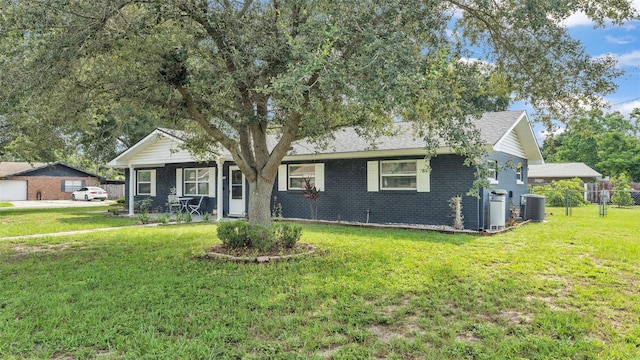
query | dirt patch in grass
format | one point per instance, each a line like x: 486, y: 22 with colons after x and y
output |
x: 468, y: 338
x: 514, y: 317
x: 405, y: 330
x: 22, y: 249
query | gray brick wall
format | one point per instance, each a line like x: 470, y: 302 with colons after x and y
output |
x: 346, y: 198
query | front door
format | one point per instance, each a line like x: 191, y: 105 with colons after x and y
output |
x: 236, y: 192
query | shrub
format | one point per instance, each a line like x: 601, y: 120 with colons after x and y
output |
x: 144, y: 218
x: 234, y: 234
x: 163, y: 218
x: 120, y: 200
x: 239, y: 234
x: 261, y: 237
x: 556, y: 193
x: 287, y: 234
x: 621, y: 197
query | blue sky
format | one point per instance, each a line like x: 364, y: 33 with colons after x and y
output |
x: 623, y: 43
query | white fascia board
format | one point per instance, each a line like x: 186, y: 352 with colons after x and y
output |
x: 523, y: 128
x: 122, y: 160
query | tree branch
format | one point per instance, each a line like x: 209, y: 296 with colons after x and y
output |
x: 213, y: 131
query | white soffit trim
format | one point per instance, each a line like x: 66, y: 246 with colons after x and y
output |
x: 122, y: 159
x: 523, y: 129
x: 368, y: 154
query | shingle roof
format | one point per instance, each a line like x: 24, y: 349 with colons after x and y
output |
x: 11, y: 168
x: 562, y: 170
x: 492, y: 126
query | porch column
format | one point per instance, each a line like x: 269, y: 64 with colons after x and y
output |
x: 219, y: 193
x: 132, y: 187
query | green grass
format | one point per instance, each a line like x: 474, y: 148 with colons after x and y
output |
x: 15, y: 222
x: 564, y: 289
x: 5, y: 204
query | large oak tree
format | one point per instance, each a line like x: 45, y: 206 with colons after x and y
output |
x: 237, y: 72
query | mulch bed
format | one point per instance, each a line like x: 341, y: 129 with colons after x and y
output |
x: 277, y: 253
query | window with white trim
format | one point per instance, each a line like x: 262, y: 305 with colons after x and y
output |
x: 145, y: 182
x: 519, y: 174
x: 493, y: 171
x: 196, y: 181
x: 398, y: 175
x: 299, y: 172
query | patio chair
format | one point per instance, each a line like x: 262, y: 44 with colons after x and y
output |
x: 196, y: 208
x: 173, y: 203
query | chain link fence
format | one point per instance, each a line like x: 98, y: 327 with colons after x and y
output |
x: 604, y: 198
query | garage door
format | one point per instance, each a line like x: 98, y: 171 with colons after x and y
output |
x: 13, y: 190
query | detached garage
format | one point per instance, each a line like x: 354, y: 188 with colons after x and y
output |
x: 13, y: 190
x: 41, y: 181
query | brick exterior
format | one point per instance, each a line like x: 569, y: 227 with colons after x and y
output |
x: 506, y: 181
x: 50, y: 187
x: 346, y: 198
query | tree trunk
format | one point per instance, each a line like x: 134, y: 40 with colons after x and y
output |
x: 260, y: 201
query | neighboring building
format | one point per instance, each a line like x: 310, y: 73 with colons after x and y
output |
x: 544, y: 174
x: 384, y: 183
x: 41, y: 181
x: 540, y: 174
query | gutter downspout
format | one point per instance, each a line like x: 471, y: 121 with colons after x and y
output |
x: 219, y: 195
x: 132, y: 188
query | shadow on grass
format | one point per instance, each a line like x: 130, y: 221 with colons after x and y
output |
x: 419, y: 235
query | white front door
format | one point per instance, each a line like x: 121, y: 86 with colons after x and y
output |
x: 236, y: 192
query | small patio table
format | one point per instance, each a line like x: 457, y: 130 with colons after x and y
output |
x: 184, y: 203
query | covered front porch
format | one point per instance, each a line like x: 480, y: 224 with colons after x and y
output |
x: 158, y: 169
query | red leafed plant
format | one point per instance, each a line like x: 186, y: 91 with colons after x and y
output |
x: 313, y: 194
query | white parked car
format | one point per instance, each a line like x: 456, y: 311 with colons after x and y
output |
x: 89, y: 193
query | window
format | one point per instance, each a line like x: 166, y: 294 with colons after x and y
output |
x: 398, y: 175
x: 492, y: 165
x: 299, y: 172
x: 71, y: 185
x: 519, y: 174
x: 146, y: 182
x: 196, y: 181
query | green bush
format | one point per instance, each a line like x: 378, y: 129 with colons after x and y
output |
x: 120, y: 200
x: 621, y: 197
x: 556, y: 193
x: 261, y: 237
x: 287, y: 234
x: 234, y: 234
x: 239, y: 234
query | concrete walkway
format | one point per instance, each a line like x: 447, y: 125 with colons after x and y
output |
x: 195, y: 219
x: 52, y: 204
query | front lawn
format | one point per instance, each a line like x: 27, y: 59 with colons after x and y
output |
x: 5, y: 204
x: 567, y: 288
x: 16, y: 222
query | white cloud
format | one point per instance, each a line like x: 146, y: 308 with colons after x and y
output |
x: 628, y: 59
x: 541, y: 135
x: 626, y: 107
x: 581, y: 19
x: 466, y: 60
x: 577, y: 19
x: 620, y: 40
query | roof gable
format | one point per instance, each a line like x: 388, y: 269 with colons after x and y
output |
x: 12, y: 168
x: 57, y: 169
